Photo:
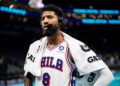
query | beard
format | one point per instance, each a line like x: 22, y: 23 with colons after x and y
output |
x: 49, y: 30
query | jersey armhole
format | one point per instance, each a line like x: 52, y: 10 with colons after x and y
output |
x: 70, y: 57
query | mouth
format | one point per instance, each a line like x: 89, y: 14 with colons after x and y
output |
x: 45, y: 27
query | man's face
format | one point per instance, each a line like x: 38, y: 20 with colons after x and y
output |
x: 49, y: 18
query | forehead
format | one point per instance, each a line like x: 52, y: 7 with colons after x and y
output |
x: 48, y: 13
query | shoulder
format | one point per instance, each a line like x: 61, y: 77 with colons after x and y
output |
x: 76, y: 41
x: 73, y: 41
x: 37, y: 42
x: 35, y: 46
x: 83, y: 46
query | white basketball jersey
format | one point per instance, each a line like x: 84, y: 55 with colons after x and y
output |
x: 56, y: 68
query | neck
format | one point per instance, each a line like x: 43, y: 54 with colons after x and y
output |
x: 56, y: 38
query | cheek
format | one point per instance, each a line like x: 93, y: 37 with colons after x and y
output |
x: 41, y: 24
x: 56, y: 23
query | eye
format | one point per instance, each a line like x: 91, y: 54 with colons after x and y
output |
x: 49, y: 17
x: 42, y: 18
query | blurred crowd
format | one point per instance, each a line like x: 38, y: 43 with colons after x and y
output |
x: 13, y: 69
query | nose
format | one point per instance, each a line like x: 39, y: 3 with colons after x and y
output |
x: 45, y: 21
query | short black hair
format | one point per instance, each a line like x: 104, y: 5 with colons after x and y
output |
x: 50, y: 7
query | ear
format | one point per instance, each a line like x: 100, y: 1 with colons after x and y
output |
x: 62, y: 21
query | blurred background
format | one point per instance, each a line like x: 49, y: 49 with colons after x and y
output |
x: 95, y: 22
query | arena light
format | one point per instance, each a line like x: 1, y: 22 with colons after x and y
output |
x: 100, y: 21
x: 94, y: 21
x: 13, y: 10
x: 85, y: 11
x: 114, y: 21
x: 95, y: 11
x: 109, y: 11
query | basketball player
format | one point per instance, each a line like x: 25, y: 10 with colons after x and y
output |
x: 58, y: 55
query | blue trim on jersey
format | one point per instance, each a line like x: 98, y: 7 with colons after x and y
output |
x: 67, y: 57
x: 72, y: 79
x: 69, y: 61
